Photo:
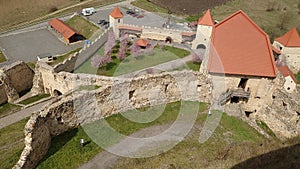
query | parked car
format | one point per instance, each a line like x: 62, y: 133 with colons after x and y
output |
x: 100, y: 22
x: 88, y: 11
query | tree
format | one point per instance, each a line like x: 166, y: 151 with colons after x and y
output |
x: 110, y: 44
x: 135, y: 50
x: 149, y: 50
x: 95, y: 62
x: 196, y: 58
x: 122, y: 50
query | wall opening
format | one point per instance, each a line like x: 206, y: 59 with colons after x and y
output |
x: 131, y: 93
x: 168, y: 39
x: 166, y: 87
x: 201, y: 46
x: 57, y: 93
x: 247, y: 113
x: 243, y: 83
x: 234, y: 99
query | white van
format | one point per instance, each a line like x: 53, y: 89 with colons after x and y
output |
x: 88, y: 11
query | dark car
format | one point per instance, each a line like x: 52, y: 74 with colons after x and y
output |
x: 101, y: 22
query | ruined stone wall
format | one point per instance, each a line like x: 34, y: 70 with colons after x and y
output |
x: 14, y: 79
x: 47, y: 81
x: 82, y: 107
x: 161, y: 34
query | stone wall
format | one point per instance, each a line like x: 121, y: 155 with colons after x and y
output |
x: 82, y: 107
x: 161, y: 34
x: 14, y: 79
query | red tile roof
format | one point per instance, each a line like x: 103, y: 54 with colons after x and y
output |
x: 141, y: 42
x: 285, y: 71
x: 240, y: 47
x: 188, y: 33
x: 116, y: 13
x: 290, y: 39
x: 276, y: 50
x: 206, y: 19
x: 62, y: 28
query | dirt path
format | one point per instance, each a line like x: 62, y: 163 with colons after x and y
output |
x: 19, y: 115
x: 108, y: 160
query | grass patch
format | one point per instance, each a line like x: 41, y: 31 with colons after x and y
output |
x: 148, y: 6
x: 298, y: 77
x: 11, y: 143
x: 266, y: 128
x: 31, y: 65
x: 34, y: 99
x: 83, y: 26
x: 8, y: 108
x: 131, y: 64
x: 2, y: 57
x: 189, y: 66
x: 181, y: 53
x: 66, y: 151
x: 60, y: 59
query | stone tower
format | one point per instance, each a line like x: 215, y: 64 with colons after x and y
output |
x: 116, y: 19
x: 204, y: 30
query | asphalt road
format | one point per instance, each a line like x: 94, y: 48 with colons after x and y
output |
x: 26, y: 46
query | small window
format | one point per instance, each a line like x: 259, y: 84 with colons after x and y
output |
x: 118, y: 20
x: 280, y: 48
x: 288, y: 88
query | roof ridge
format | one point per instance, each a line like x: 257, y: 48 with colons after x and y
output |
x: 206, y: 19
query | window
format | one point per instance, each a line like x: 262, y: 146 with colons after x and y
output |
x: 243, y: 83
x: 118, y: 20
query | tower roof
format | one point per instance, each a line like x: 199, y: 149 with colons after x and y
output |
x: 285, y: 71
x: 116, y: 13
x: 240, y: 47
x: 290, y: 39
x: 206, y: 19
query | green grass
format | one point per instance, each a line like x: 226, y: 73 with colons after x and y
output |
x: 34, y: 99
x: 189, y: 66
x: 2, y: 57
x: 266, y: 128
x: 11, y: 143
x: 131, y: 64
x: 298, y: 77
x: 60, y: 59
x: 83, y: 26
x: 148, y: 6
x: 8, y: 108
x: 66, y: 151
x: 31, y: 65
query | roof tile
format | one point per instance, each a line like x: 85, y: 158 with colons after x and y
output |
x: 116, y: 13
x: 206, y: 19
x: 290, y: 39
x: 62, y: 28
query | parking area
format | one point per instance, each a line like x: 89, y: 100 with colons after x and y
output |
x: 148, y: 19
x: 26, y: 46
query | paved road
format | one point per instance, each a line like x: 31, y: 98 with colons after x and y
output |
x: 15, y: 117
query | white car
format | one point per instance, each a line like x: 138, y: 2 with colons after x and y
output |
x: 88, y: 11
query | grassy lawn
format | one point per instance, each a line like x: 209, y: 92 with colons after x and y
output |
x: 131, y: 64
x: 83, y: 26
x: 2, y: 57
x: 31, y: 65
x: 11, y: 143
x: 148, y: 6
x: 29, y: 12
x: 66, y: 151
x: 8, y: 108
x: 60, y: 59
x: 298, y: 77
x: 34, y: 99
x: 189, y: 66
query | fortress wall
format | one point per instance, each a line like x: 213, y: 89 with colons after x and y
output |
x: 161, y: 34
x: 87, y: 106
x: 14, y: 79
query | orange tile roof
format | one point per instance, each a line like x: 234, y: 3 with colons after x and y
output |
x: 141, y: 42
x: 285, y: 71
x: 206, y: 19
x: 62, y: 28
x: 188, y: 33
x: 290, y: 39
x: 116, y: 13
x: 130, y: 28
x: 276, y: 50
x: 240, y: 47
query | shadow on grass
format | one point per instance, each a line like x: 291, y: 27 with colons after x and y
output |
x: 288, y: 157
x: 59, y: 141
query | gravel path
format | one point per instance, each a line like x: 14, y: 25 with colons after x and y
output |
x: 26, y: 112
